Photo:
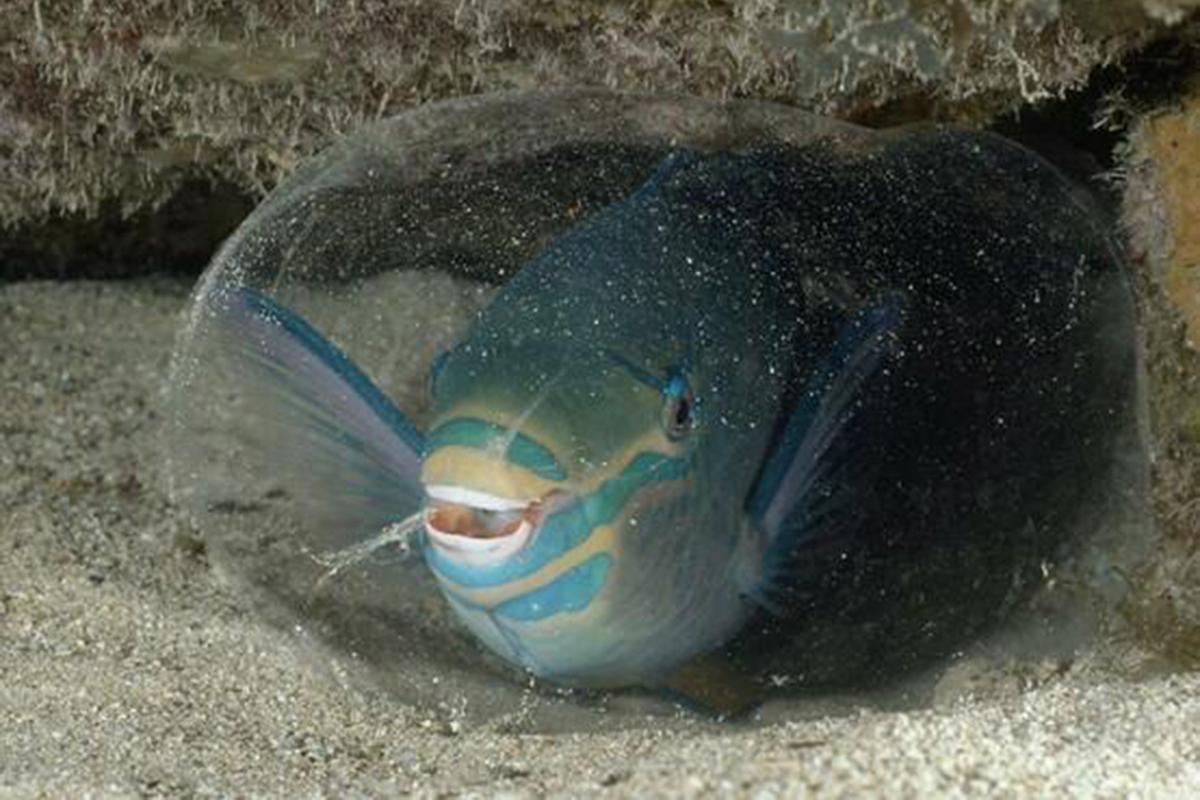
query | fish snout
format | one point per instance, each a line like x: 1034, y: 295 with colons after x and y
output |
x: 472, y: 525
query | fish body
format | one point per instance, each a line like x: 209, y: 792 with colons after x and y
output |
x: 645, y: 555
x: 745, y: 400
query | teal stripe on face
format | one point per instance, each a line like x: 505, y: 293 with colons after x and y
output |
x: 572, y: 591
x: 566, y: 529
x: 481, y: 434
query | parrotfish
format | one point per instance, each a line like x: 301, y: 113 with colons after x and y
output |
x: 678, y: 426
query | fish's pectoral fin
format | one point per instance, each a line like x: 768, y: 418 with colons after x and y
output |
x: 712, y: 684
x: 313, y: 421
x: 802, y: 487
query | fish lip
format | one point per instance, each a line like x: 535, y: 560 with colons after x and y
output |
x: 484, y: 546
x: 479, y: 550
x: 460, y: 495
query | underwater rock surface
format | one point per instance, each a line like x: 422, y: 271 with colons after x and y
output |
x: 905, y: 489
x: 113, y: 107
x: 1161, y: 215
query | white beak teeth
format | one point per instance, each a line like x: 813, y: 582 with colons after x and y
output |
x: 469, y: 497
x: 490, y: 511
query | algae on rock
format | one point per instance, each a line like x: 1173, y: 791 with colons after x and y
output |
x: 114, y: 104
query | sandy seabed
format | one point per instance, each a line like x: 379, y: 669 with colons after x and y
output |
x: 132, y: 667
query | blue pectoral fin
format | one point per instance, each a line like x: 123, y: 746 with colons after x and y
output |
x: 317, y: 426
x: 800, y: 487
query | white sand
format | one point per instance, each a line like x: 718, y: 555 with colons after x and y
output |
x: 130, y: 668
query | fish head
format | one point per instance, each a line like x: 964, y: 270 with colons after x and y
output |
x: 539, y: 431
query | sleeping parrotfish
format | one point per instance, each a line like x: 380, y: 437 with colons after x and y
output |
x: 674, y: 422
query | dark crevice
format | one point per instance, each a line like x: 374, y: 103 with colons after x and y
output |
x: 1151, y: 77
x: 178, y: 238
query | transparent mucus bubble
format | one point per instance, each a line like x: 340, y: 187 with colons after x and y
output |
x: 995, y: 441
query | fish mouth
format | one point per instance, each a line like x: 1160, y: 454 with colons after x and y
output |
x: 470, y: 522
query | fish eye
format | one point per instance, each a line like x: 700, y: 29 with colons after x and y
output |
x: 679, y: 408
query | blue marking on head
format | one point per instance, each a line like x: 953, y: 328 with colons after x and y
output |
x: 479, y: 433
x: 636, y: 372
x: 567, y: 528
x: 572, y: 591
x: 674, y: 388
x: 435, y: 370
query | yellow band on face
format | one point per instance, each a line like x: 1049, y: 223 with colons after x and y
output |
x: 489, y: 471
x: 483, y: 471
